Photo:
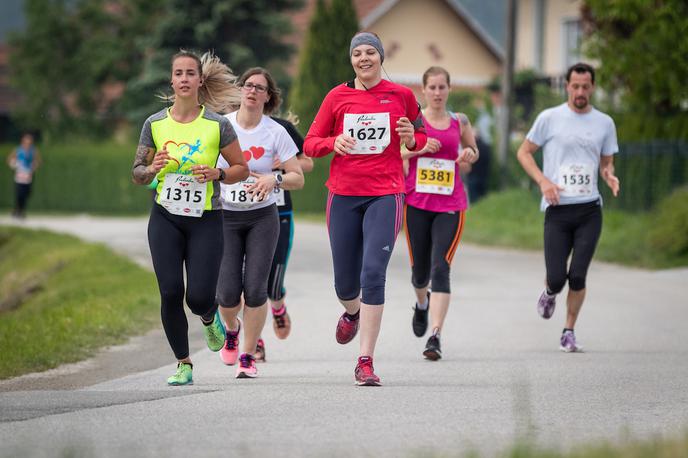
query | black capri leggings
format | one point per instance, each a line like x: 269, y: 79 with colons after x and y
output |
x: 276, y: 289
x: 574, y: 227
x: 250, y: 240
x: 176, y: 241
x: 432, y: 239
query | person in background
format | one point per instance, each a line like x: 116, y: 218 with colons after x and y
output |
x: 578, y: 143
x: 281, y: 321
x: 436, y: 205
x: 24, y: 160
x: 251, y: 219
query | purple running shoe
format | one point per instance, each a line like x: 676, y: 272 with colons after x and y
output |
x: 546, y: 304
x: 568, y: 343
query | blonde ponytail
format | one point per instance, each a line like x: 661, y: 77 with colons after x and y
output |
x: 219, y: 91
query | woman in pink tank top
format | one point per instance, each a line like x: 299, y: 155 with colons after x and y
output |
x: 435, y: 205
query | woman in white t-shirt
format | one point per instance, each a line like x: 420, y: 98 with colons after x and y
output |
x: 251, y: 221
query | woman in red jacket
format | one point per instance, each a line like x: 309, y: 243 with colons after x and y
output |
x: 364, y: 121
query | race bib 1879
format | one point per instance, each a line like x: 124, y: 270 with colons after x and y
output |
x: 371, y: 132
x: 183, y: 195
x: 237, y: 194
x: 576, y: 179
x: 435, y: 176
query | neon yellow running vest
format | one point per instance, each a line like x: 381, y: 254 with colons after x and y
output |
x: 189, y: 144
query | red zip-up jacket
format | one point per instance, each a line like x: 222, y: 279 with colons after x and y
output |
x: 364, y: 174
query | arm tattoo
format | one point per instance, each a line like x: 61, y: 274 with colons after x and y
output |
x: 464, y: 119
x: 140, y: 172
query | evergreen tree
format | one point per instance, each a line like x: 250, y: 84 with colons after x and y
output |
x: 325, y: 58
x: 68, y: 54
x: 243, y: 33
x: 642, y: 47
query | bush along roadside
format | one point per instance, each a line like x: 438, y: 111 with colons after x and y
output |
x: 655, y: 239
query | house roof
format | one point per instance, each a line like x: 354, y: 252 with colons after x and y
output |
x: 369, y: 14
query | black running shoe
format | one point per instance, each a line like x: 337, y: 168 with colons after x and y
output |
x: 432, y: 348
x: 420, y: 319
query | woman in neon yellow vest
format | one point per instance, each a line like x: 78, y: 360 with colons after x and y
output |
x: 179, y: 146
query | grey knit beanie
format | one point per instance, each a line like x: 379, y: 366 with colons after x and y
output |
x: 367, y: 38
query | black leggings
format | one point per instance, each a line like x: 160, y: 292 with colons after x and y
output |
x: 574, y: 227
x: 23, y: 191
x: 432, y: 239
x: 276, y: 289
x: 250, y: 240
x: 177, y: 241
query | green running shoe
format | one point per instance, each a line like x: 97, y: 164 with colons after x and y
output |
x: 183, y: 375
x: 215, y: 333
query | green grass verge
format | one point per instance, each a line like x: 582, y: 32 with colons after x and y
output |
x: 62, y: 299
x: 513, y: 219
x: 655, y: 447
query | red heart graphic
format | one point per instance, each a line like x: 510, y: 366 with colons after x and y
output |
x: 247, y: 155
x: 257, y: 151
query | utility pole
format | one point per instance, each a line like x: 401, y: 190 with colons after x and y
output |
x: 507, y: 92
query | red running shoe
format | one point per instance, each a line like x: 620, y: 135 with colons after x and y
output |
x: 364, y: 372
x: 346, y: 329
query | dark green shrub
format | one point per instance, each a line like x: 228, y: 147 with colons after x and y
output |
x: 670, y: 231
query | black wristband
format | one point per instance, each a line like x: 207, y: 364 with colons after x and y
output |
x: 222, y: 175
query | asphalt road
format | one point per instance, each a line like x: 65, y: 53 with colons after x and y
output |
x: 502, y: 378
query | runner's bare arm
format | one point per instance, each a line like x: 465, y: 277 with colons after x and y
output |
x: 607, y: 172
x: 238, y: 169
x: 293, y: 176
x: 141, y: 172
x: 469, y: 153
x: 525, y: 153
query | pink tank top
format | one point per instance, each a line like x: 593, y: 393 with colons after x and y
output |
x: 450, y: 139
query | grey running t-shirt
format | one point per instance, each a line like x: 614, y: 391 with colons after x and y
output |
x: 572, y: 144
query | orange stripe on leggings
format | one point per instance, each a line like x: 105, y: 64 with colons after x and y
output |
x: 457, y: 238
x: 408, y: 240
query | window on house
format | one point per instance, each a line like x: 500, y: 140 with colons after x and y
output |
x: 572, y: 41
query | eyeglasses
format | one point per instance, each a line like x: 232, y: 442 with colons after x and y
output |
x: 259, y: 88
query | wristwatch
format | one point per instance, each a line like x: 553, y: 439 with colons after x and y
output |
x: 278, y: 180
x: 222, y: 175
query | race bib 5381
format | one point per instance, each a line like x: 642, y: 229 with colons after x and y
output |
x: 435, y: 176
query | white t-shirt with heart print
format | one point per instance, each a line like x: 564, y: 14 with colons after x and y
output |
x: 260, y: 146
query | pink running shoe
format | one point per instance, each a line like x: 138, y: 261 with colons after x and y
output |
x: 247, y: 367
x: 364, y: 372
x: 346, y: 329
x: 260, y: 351
x: 230, y: 351
x: 281, y: 322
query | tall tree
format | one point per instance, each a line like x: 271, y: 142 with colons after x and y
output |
x: 642, y: 49
x: 69, y: 54
x: 243, y: 33
x: 325, y: 60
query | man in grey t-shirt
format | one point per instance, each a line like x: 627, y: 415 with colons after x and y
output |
x: 577, y: 142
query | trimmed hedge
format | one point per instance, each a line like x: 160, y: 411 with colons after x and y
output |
x: 81, y: 177
x: 96, y: 178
